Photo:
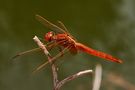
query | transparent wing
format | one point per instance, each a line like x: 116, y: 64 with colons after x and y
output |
x: 49, y: 45
x: 49, y: 25
x: 61, y: 25
x: 53, y: 59
x: 25, y: 52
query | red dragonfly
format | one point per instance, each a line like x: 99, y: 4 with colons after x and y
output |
x: 62, y: 38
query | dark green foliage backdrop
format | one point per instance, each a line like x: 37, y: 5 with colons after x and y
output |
x: 107, y: 25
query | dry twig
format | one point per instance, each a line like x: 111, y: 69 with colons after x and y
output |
x: 72, y: 77
x: 42, y: 46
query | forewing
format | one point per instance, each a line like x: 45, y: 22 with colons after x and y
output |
x: 61, y: 25
x: 49, y: 25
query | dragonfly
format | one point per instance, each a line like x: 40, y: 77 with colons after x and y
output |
x: 60, y: 37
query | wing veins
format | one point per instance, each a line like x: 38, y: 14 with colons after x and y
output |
x: 49, y: 25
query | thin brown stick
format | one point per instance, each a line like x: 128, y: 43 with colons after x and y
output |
x: 54, y: 71
x: 72, y: 77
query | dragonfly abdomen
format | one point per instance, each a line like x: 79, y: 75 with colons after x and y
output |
x: 97, y: 53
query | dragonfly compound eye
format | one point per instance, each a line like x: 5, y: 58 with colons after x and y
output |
x: 48, y: 36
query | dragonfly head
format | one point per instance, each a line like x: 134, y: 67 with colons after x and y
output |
x: 49, y: 36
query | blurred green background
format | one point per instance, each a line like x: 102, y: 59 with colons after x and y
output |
x: 106, y: 25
